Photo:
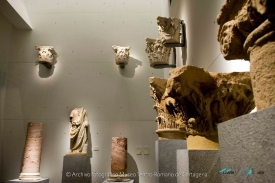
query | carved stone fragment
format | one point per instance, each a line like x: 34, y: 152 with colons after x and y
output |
x: 78, y: 132
x: 157, y: 52
x: 121, y: 55
x: 169, y: 29
x: 119, y: 160
x: 32, y: 154
x: 247, y: 31
x: 46, y: 55
x: 192, y: 101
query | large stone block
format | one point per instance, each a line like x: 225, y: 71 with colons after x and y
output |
x: 166, y: 159
x: 247, y: 147
x: 198, y: 166
x: 76, y: 169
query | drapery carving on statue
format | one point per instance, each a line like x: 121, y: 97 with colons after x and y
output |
x: 78, y: 132
x: 194, y: 101
x: 169, y: 29
x: 241, y: 23
x: 157, y: 52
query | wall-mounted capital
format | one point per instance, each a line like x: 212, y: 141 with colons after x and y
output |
x: 46, y: 55
x: 157, y: 52
x: 169, y: 29
x: 121, y: 55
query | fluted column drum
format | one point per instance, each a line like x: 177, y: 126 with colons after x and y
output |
x: 119, y: 155
x: 32, y: 154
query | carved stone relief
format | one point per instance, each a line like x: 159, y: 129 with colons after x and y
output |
x: 32, y: 154
x: 247, y: 31
x: 121, y: 55
x: 169, y: 29
x: 193, y: 101
x: 46, y: 55
x: 78, y: 132
x: 157, y: 52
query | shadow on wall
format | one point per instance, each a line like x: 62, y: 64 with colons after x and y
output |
x: 132, y: 168
x: 129, y: 70
x: 45, y: 72
x: 184, y: 49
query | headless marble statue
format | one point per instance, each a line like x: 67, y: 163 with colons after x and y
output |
x: 78, y: 132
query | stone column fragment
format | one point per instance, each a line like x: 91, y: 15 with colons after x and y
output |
x: 119, y: 155
x: 32, y: 154
x: 119, y: 160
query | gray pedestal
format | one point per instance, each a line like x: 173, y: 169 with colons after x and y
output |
x: 247, y: 147
x: 76, y: 169
x: 198, y: 166
x: 42, y: 180
x: 166, y: 159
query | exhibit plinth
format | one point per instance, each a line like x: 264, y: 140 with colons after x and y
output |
x: 106, y: 181
x: 76, y: 169
x: 42, y: 180
x: 166, y: 159
x: 197, y: 166
x: 247, y: 147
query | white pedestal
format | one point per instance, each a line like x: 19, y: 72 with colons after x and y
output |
x: 42, y: 180
x: 106, y: 181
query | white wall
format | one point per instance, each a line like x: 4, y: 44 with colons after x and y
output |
x: 202, y: 48
x: 85, y: 75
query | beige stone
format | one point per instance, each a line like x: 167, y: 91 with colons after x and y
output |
x: 169, y: 29
x: 193, y: 101
x: 157, y: 52
x: 247, y: 31
x: 78, y: 132
x: 46, y: 55
x: 32, y: 154
x: 121, y: 55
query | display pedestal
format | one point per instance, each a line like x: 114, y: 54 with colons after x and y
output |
x: 76, y: 169
x: 42, y: 180
x: 247, y: 147
x: 196, y: 166
x: 166, y: 159
x: 106, y: 181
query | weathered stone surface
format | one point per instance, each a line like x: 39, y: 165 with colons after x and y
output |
x: 32, y: 154
x: 121, y: 55
x: 78, y: 132
x: 119, y: 155
x: 46, y: 55
x: 247, y: 31
x: 119, y: 160
x: 193, y: 101
x: 157, y: 52
x: 169, y: 29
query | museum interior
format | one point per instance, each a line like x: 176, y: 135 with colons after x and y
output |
x: 143, y: 91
